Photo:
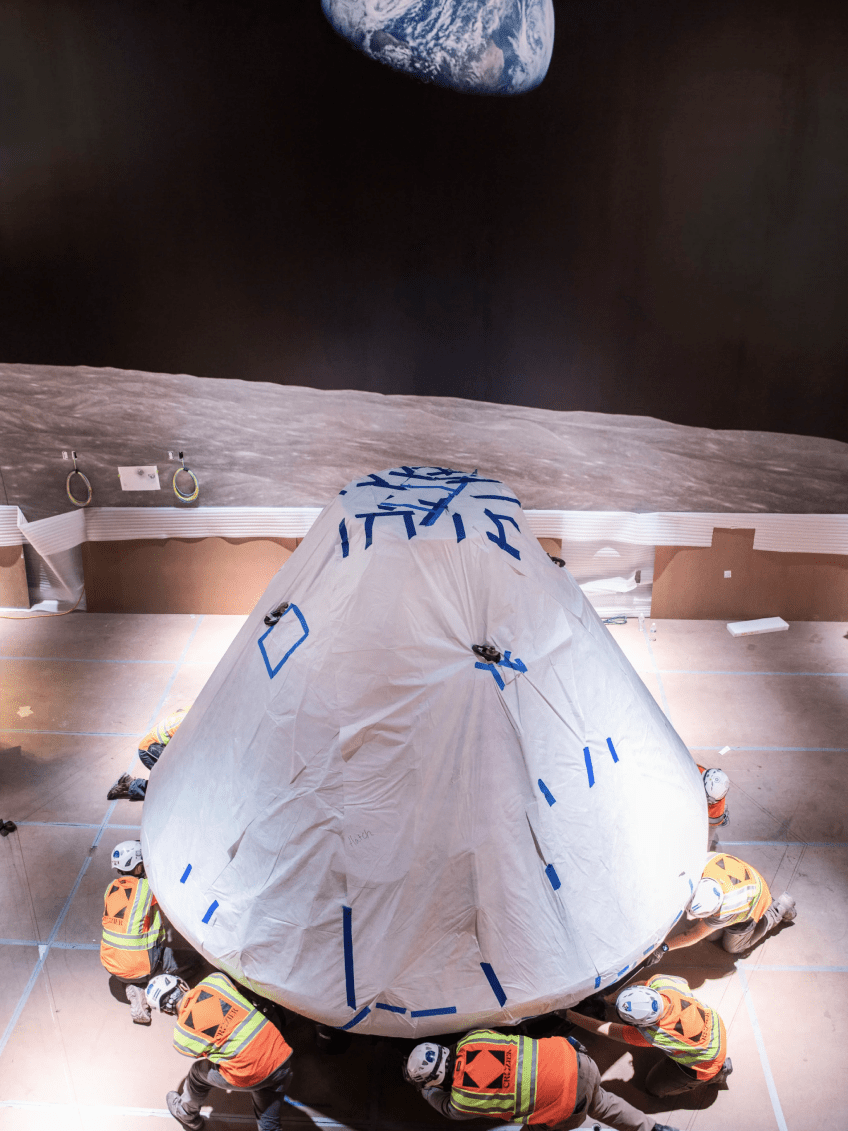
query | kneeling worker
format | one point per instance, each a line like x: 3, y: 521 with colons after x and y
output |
x: 716, y: 786
x: 551, y: 1082
x: 149, y: 752
x: 733, y: 897
x: 134, y: 946
x: 235, y: 1048
x: 663, y: 1013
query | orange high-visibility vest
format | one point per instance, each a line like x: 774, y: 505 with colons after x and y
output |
x: 515, y: 1078
x: 746, y: 893
x: 217, y: 1022
x: 715, y: 809
x: 132, y: 928
x: 690, y: 1032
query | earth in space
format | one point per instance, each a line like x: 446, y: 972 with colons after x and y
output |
x: 476, y: 46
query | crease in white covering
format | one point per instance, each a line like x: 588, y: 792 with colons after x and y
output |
x: 790, y: 533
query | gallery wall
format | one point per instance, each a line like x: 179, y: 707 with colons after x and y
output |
x: 230, y: 190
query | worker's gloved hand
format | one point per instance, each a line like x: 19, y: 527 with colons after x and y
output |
x: 658, y: 955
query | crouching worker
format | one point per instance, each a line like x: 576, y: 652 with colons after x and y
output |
x: 716, y: 786
x: 732, y: 897
x: 662, y: 1013
x: 235, y: 1047
x: 149, y: 751
x: 551, y: 1082
x: 134, y: 946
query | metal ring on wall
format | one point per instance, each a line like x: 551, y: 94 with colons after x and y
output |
x: 186, y: 498
x: 85, y: 479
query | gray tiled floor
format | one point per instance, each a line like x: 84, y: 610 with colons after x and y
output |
x: 78, y: 690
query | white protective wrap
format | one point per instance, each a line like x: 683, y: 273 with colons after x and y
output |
x: 364, y: 821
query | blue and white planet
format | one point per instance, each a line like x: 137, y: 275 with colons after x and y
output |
x: 475, y: 46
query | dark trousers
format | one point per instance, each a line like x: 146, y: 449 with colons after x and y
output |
x: 267, y: 1095
x: 668, y: 1078
x: 597, y: 1102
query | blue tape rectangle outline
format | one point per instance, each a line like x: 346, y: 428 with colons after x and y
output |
x: 291, y: 609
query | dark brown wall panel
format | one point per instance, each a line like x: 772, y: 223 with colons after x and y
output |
x: 181, y: 575
x: 689, y: 582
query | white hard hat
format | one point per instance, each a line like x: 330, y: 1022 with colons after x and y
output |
x: 716, y: 784
x: 639, y: 1005
x: 706, y: 899
x: 126, y: 855
x: 166, y: 991
x: 426, y: 1065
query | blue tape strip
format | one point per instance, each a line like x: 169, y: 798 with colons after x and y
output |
x: 343, y: 536
x: 588, y: 759
x: 676, y: 917
x: 549, y: 797
x: 502, y: 498
x: 691, y: 886
x: 649, y: 950
x: 516, y: 664
x: 497, y: 988
x: 362, y: 1013
x: 624, y: 971
x: 551, y: 873
x: 432, y: 1012
x: 390, y: 1008
x: 184, y: 876
x: 459, y: 526
x: 597, y: 981
x: 213, y: 908
x: 612, y: 750
x: 491, y: 668
x: 347, y: 931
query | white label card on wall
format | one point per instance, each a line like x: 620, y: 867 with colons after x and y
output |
x: 141, y: 478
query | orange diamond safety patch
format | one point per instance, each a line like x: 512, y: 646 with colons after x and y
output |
x: 213, y: 1016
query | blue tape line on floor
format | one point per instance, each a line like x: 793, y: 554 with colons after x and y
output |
x: 497, y: 988
x: 551, y: 873
x: 549, y: 797
x: 362, y: 1013
x: 212, y: 909
x: 390, y: 1008
x: 185, y: 874
x: 347, y: 932
x: 432, y: 1012
x: 612, y: 750
x: 587, y: 757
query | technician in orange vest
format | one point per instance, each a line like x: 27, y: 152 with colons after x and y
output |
x: 134, y: 945
x: 235, y: 1047
x: 551, y: 1082
x: 663, y: 1013
x: 716, y: 785
x: 732, y: 897
x: 149, y: 751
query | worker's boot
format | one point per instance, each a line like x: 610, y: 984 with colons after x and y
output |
x: 121, y: 788
x: 139, y: 1005
x: 664, y: 1127
x: 175, y: 1107
x: 784, y: 905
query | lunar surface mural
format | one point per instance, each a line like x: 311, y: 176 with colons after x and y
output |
x: 411, y: 798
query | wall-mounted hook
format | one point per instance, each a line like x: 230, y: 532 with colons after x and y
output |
x: 84, y: 478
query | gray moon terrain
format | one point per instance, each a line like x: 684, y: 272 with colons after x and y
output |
x: 261, y: 444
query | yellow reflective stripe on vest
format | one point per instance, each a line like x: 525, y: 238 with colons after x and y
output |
x: 142, y: 910
x: 519, y: 1098
x: 190, y: 1043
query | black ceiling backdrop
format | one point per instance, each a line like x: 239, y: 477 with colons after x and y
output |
x: 230, y: 190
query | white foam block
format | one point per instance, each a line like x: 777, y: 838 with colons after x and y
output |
x: 750, y: 627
